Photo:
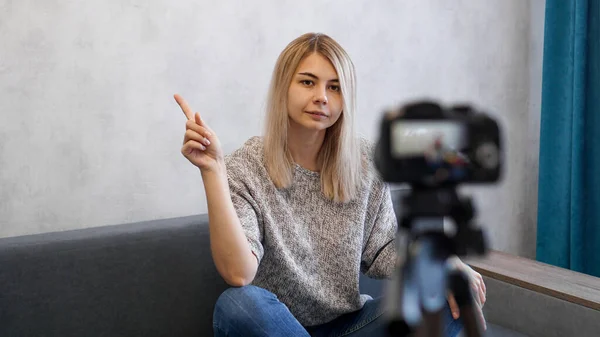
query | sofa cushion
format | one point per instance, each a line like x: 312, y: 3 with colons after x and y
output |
x: 152, y: 278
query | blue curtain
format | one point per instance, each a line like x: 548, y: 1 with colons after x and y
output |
x: 568, y: 226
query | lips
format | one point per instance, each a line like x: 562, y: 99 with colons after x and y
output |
x: 317, y: 113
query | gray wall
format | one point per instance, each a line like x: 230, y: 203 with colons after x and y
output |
x: 90, y: 134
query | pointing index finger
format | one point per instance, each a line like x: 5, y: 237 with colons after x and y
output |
x: 184, y: 106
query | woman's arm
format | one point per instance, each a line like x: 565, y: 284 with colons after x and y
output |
x: 231, y: 252
x: 229, y: 246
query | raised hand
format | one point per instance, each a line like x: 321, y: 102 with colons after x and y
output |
x: 200, y: 143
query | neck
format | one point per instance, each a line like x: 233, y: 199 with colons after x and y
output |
x: 304, y: 145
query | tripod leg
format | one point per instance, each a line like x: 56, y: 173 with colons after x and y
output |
x: 459, y: 285
x: 394, y: 302
x: 431, y: 326
x: 403, y: 310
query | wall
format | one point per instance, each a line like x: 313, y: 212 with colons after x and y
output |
x: 90, y: 134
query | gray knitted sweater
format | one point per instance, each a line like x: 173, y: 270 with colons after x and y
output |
x: 311, y: 250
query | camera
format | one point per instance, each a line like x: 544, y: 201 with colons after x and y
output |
x: 425, y: 144
x: 434, y: 149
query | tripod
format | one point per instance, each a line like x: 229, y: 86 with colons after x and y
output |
x: 417, y: 292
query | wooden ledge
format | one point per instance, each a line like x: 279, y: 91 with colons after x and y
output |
x: 543, y: 278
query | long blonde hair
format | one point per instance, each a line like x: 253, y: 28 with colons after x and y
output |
x: 340, y: 155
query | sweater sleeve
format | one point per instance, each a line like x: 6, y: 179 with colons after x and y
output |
x: 245, y: 206
x: 379, y: 253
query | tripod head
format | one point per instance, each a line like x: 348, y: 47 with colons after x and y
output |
x: 439, y: 203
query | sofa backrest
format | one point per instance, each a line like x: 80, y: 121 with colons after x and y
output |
x: 153, y: 278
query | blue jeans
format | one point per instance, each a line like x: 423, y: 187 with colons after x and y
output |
x: 254, y: 311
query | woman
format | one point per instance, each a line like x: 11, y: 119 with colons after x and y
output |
x: 296, y: 215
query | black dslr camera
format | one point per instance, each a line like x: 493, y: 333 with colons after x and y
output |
x: 434, y: 149
x: 424, y: 144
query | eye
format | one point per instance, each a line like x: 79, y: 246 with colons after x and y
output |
x: 334, y: 88
x: 307, y: 82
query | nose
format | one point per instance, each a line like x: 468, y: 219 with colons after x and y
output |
x: 320, y: 96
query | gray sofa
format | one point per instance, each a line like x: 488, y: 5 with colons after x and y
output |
x: 153, y: 278
x: 149, y: 279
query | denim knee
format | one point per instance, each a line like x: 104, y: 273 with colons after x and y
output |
x: 236, y: 304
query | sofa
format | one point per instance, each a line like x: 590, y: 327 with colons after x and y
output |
x: 152, y: 278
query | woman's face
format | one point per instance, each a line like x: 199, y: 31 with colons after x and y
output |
x: 314, y: 96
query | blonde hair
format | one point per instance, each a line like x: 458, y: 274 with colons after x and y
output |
x: 340, y: 155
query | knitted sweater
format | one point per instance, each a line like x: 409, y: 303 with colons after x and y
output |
x: 310, y: 249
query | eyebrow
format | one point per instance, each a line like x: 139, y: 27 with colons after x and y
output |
x: 316, y: 78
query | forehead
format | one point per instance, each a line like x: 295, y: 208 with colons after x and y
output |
x: 317, y: 64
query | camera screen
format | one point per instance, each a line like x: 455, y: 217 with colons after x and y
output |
x: 419, y: 137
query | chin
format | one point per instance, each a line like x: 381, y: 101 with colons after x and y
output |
x: 310, y: 124
x: 315, y: 126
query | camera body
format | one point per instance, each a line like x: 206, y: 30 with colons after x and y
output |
x: 424, y: 144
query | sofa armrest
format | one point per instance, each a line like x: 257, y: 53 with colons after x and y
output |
x: 538, y: 299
